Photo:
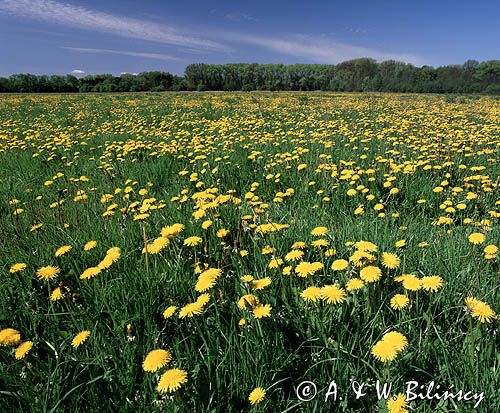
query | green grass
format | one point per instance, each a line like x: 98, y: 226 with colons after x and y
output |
x: 151, y: 138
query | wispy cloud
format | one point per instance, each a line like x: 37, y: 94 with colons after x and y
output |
x: 78, y: 72
x: 79, y: 17
x: 322, y: 49
x: 357, y: 30
x: 157, y: 56
x: 238, y: 17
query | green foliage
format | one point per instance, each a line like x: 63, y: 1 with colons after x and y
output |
x: 358, y: 75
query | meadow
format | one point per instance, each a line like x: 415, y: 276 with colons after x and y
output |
x: 209, y: 252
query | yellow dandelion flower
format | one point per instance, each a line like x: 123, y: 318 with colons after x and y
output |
x: 36, y: 227
x: 319, y: 231
x: 268, y: 250
x: 339, y: 265
x: 192, y: 241
x: 400, y: 244
x: 157, y: 245
x: 262, y: 310
x: 398, y: 404
x: 248, y: 301
x: 106, y: 262
x: 18, y: 211
x: 80, y: 338
x: 169, y: 312
x: 312, y: 294
x: 432, y: 283
x: 203, y: 299
x: 56, y: 295
x: 90, y: 245
x: 206, y: 224
x: 261, y: 284
x: 63, y: 250
x: 294, y: 255
x: 411, y: 282
x: 23, y: 349
x: 384, y: 351
x: 47, y: 273
x: 480, y: 310
x: 221, y: 233
x: 360, y: 210
x: 90, y: 273
x: 370, y: 274
x: 18, y: 267
x: 198, y: 214
x: 399, y: 301
x: 192, y: 309
x: 489, y: 250
x: 333, y: 294
x: 360, y: 257
x: 9, y: 337
x: 207, y: 278
x: 366, y: 246
x: 172, y: 230
x: 156, y: 359
x: 305, y: 268
x: 477, y: 238
x: 257, y: 395
x: 389, y: 346
x: 172, y: 380
x: 398, y: 340
x: 113, y: 254
x: 320, y: 243
x: 298, y: 245
x: 354, y: 284
x: 330, y: 252
x: 390, y: 260
x: 275, y: 263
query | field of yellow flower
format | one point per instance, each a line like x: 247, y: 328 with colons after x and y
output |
x: 210, y: 252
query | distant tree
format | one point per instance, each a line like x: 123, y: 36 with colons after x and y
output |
x: 449, y: 79
x: 24, y: 83
x: 468, y: 70
x: 178, y: 83
x: 4, y: 85
x: 488, y: 72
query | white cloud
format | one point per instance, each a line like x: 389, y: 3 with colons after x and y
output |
x: 322, y: 49
x: 78, y: 72
x: 238, y: 17
x: 157, y: 56
x: 357, y: 30
x: 79, y: 17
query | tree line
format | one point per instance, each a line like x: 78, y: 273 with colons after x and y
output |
x: 358, y: 75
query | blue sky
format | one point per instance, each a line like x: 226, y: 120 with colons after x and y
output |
x: 85, y: 37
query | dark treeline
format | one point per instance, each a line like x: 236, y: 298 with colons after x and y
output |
x: 142, y: 82
x: 358, y: 75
